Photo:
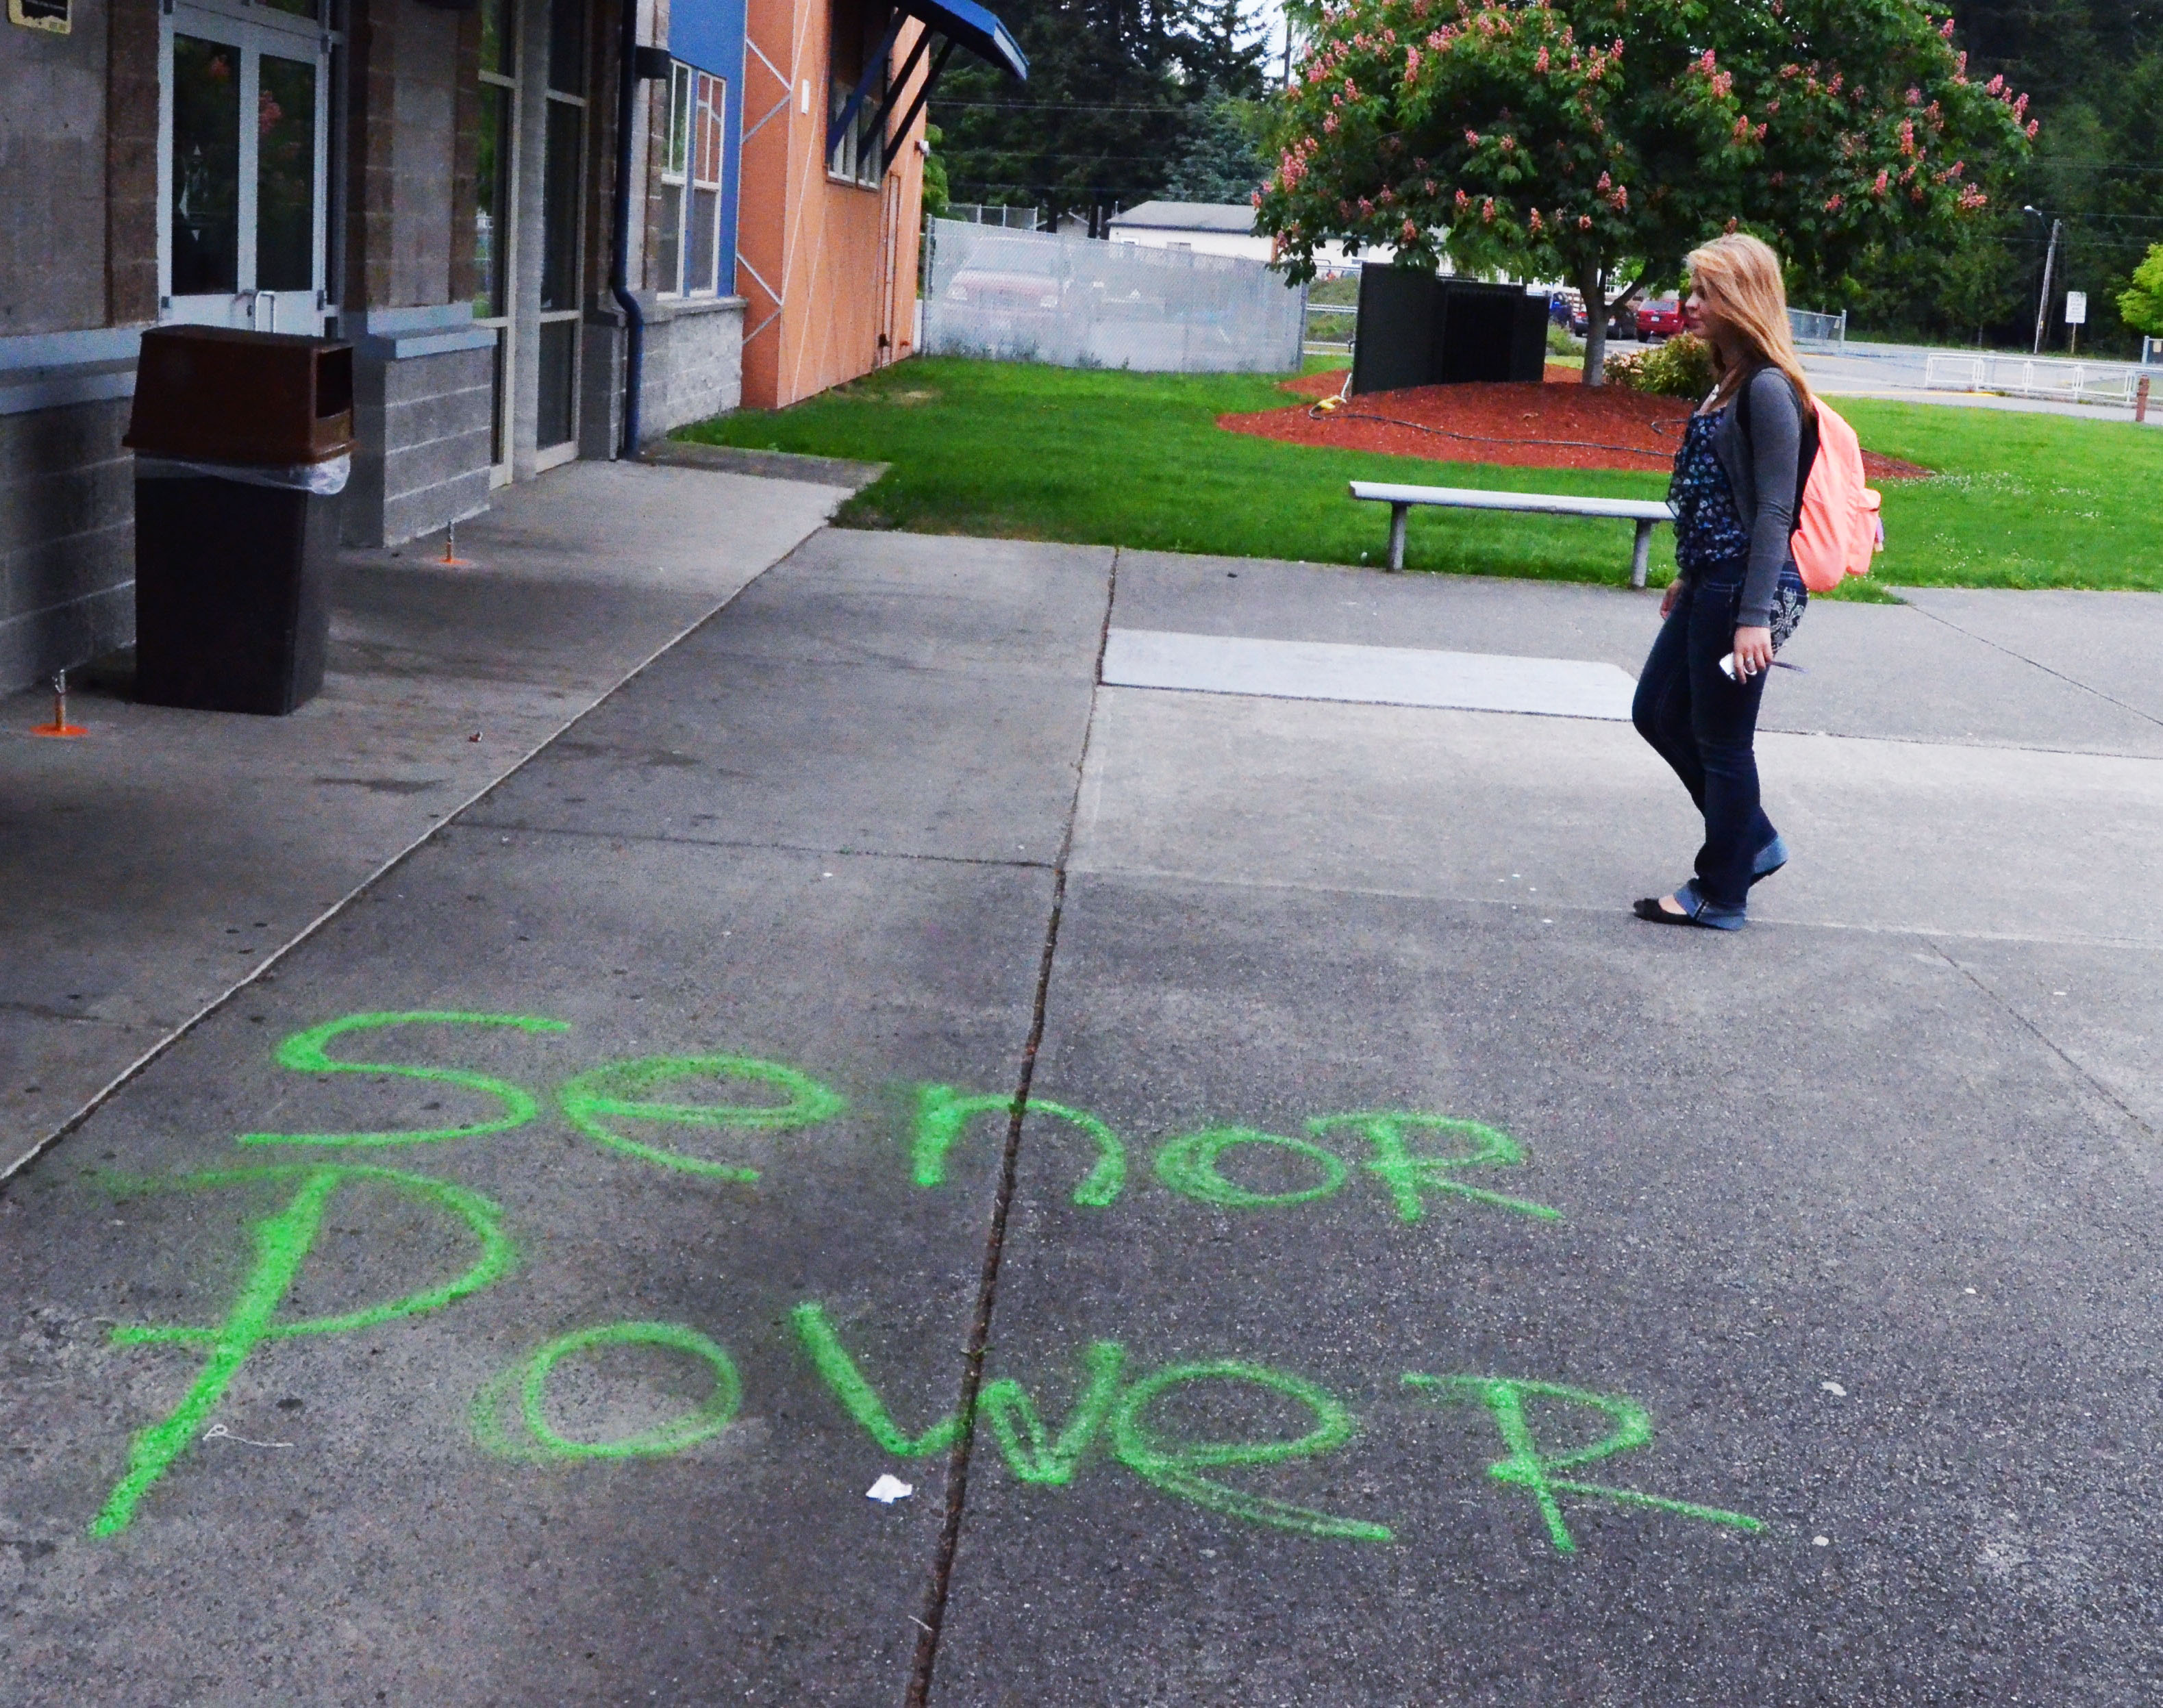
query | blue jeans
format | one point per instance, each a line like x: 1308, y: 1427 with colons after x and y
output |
x: 1704, y: 724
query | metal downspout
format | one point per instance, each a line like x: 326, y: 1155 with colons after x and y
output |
x: 634, y: 360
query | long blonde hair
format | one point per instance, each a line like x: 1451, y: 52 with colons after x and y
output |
x: 1741, y: 277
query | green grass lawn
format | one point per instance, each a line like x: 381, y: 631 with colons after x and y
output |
x: 1111, y: 458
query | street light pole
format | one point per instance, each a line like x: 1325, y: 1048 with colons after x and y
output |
x: 2049, y: 259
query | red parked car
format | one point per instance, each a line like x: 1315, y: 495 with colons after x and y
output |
x: 1661, y: 318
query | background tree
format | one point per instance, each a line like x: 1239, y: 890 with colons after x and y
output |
x: 2141, y: 302
x: 1114, y: 90
x: 1223, y: 158
x: 1599, y: 141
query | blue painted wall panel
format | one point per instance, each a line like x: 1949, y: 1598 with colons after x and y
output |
x: 709, y: 35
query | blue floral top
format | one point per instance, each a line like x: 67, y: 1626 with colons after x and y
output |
x: 1707, y: 529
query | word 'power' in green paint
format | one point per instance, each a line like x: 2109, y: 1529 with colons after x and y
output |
x: 1176, y: 1469
x: 303, y: 1052
x: 529, y: 1380
x: 616, y: 1092
x: 1529, y: 1468
x: 1411, y: 1177
x: 1035, y: 1455
x: 943, y: 1114
x: 282, y: 1243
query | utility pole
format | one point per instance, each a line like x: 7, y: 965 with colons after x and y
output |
x: 2043, y: 302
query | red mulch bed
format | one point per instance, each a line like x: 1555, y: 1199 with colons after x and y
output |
x: 1562, y: 424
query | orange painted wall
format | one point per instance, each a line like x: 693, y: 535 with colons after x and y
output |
x: 825, y: 267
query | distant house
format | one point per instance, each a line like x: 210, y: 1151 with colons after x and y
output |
x: 1224, y: 229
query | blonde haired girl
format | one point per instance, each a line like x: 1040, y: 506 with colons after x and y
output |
x: 1736, y: 595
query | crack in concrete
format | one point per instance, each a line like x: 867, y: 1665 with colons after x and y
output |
x: 933, y: 1622
x: 2047, y: 1041
x: 665, y: 840
x: 2035, y: 663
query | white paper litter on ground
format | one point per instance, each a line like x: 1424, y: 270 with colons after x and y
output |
x: 1569, y: 688
x: 889, y: 1489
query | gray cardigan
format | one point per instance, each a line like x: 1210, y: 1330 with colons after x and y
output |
x: 1761, y: 472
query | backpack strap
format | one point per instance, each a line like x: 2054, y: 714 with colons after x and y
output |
x: 1806, y: 454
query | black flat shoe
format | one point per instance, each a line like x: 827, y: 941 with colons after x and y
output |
x: 1647, y: 907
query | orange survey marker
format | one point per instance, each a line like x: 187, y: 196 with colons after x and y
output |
x: 59, y: 725
x: 450, y: 559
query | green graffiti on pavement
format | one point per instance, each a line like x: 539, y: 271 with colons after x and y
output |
x: 1529, y: 1468
x: 943, y: 1114
x: 1188, y: 1167
x: 1409, y: 1176
x: 838, y: 1370
x: 282, y: 1242
x: 304, y: 1053
x: 615, y: 1091
x: 1176, y: 1469
x: 1032, y: 1454
x: 529, y: 1380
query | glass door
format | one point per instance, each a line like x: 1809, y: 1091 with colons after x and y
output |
x: 495, y: 203
x: 562, y: 248
x: 244, y: 165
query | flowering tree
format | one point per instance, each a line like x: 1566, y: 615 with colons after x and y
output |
x: 1600, y: 140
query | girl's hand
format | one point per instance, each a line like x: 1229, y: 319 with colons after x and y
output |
x: 1753, y: 653
x: 1667, y: 599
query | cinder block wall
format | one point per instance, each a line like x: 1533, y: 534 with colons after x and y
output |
x: 67, y: 538
x: 693, y: 364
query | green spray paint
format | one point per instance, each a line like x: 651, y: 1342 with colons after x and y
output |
x: 303, y: 1052
x: 1176, y: 1469
x: 1410, y: 1177
x: 1188, y: 1167
x: 1032, y: 1454
x: 616, y: 1091
x: 1529, y: 1468
x: 282, y: 1243
x: 529, y: 1378
x: 858, y: 1398
x: 943, y: 1114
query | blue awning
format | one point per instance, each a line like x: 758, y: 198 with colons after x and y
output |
x: 967, y: 24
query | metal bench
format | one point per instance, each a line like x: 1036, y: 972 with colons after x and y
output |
x: 1646, y: 512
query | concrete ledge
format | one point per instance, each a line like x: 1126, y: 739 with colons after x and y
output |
x: 23, y: 390
x: 774, y: 465
x: 659, y: 313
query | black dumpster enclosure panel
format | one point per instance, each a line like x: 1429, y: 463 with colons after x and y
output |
x: 1415, y: 329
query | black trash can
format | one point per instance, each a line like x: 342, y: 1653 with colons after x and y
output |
x: 243, y: 441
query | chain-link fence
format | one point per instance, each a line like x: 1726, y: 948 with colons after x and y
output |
x: 1078, y: 302
x: 1825, y: 331
x: 985, y: 213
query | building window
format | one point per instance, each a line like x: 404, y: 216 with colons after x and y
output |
x: 858, y: 33
x: 687, y: 256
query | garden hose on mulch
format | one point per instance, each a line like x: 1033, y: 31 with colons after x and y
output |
x: 1333, y: 408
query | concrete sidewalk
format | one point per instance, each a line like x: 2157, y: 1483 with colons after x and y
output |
x: 1414, y: 1279
x: 162, y: 861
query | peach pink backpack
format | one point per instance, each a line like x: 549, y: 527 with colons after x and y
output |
x: 1836, y: 528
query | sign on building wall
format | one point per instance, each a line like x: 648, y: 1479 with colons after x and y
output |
x: 40, y: 14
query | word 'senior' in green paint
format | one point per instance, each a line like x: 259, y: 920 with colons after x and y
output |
x: 943, y: 1114
x: 615, y: 1091
x: 1410, y: 1177
x: 1033, y: 1455
x: 529, y: 1379
x: 599, y: 1100
x: 1188, y: 1167
x: 282, y: 1243
x: 1529, y: 1468
x: 303, y: 1052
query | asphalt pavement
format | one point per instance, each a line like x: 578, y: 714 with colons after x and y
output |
x: 597, y: 1263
